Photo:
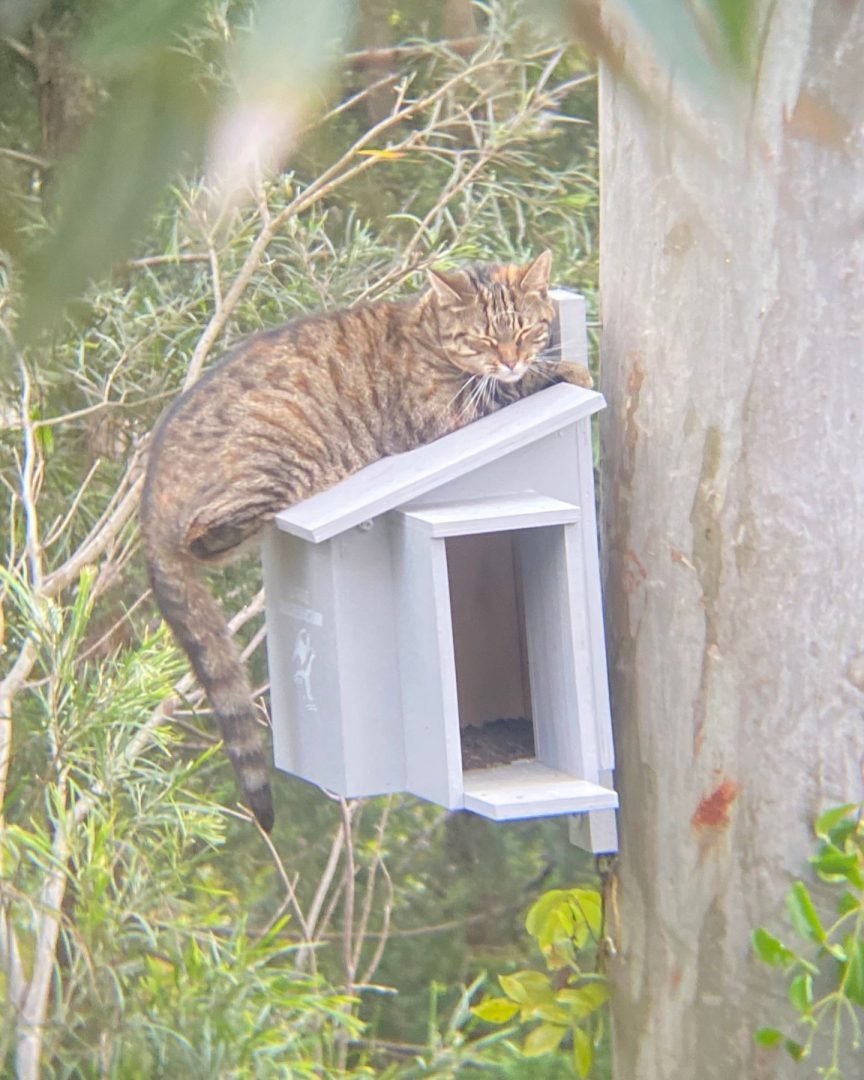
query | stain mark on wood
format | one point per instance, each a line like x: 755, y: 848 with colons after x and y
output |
x: 713, y: 809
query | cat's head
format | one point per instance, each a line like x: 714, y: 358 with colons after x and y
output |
x: 494, y: 320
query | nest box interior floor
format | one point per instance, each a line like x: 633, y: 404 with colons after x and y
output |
x: 497, y: 743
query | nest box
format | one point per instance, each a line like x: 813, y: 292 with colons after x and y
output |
x: 434, y: 621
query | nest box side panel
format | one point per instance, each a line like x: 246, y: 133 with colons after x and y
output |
x: 433, y: 752
x: 559, y: 651
x: 596, y: 831
x: 368, y: 672
x: 302, y: 658
x: 584, y: 461
x: 570, y: 333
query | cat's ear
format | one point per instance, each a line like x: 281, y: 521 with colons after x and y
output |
x: 451, y: 290
x: 535, y: 276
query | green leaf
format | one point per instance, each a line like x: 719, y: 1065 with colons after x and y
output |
x: 107, y: 192
x: 794, y: 1049
x: 589, y: 906
x: 495, y: 1010
x: 540, y: 911
x: 584, y: 1000
x: 565, y: 915
x: 801, y: 993
x: 543, y: 1039
x: 770, y: 950
x: 736, y: 33
x: 802, y: 913
x: 583, y: 1053
x: 553, y: 1012
x: 526, y: 987
x: 126, y: 34
x: 768, y: 1037
x: 831, y: 818
x: 831, y: 864
x: 853, y: 984
x: 847, y: 902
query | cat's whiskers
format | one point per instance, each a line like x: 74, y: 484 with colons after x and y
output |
x: 476, y: 402
x: 463, y: 386
x: 550, y: 354
x: 487, y: 396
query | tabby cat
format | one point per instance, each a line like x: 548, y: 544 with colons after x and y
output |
x: 292, y: 411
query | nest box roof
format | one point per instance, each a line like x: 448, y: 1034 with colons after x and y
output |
x: 396, y: 480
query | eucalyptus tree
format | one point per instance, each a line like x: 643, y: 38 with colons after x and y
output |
x: 732, y: 287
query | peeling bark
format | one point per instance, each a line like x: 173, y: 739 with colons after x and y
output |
x: 732, y: 287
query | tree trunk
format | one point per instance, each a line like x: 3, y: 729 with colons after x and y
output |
x: 732, y: 289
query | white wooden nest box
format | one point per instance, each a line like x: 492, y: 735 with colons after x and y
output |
x: 434, y: 621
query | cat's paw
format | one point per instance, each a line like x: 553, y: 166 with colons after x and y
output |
x: 577, y: 374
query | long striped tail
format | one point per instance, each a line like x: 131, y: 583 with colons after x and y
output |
x: 199, y: 625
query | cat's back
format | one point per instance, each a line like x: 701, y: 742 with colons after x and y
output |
x: 305, y: 399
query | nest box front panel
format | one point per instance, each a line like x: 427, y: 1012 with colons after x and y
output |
x: 545, y: 467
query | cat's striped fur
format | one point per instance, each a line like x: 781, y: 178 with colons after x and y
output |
x: 292, y: 411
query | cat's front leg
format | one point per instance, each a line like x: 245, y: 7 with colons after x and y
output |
x: 547, y: 374
x: 570, y: 372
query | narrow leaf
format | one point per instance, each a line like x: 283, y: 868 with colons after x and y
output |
x: 853, y: 984
x: 770, y: 950
x: 583, y: 1053
x: 831, y: 864
x: 831, y: 818
x: 802, y: 913
x: 801, y: 993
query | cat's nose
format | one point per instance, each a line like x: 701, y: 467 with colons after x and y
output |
x: 508, y: 354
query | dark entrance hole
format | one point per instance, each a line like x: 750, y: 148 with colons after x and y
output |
x: 491, y: 656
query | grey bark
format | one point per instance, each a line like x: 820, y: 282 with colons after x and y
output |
x: 732, y: 288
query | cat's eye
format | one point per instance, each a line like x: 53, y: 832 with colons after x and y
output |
x: 473, y: 343
x: 532, y: 334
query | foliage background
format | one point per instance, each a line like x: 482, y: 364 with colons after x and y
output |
x: 146, y: 928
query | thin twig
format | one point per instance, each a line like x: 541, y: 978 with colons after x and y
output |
x: 372, y: 58
x: 326, y: 880
x: 113, y: 628
x: 384, y: 933
x: 57, y: 530
x: 288, y: 885
x: 371, y: 875
x: 167, y: 260
x: 348, y: 963
x: 19, y: 47
x: 27, y: 159
x: 31, y: 1020
x: 29, y: 487
x: 103, y: 533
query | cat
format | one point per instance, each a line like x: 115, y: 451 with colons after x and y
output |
x: 293, y: 410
